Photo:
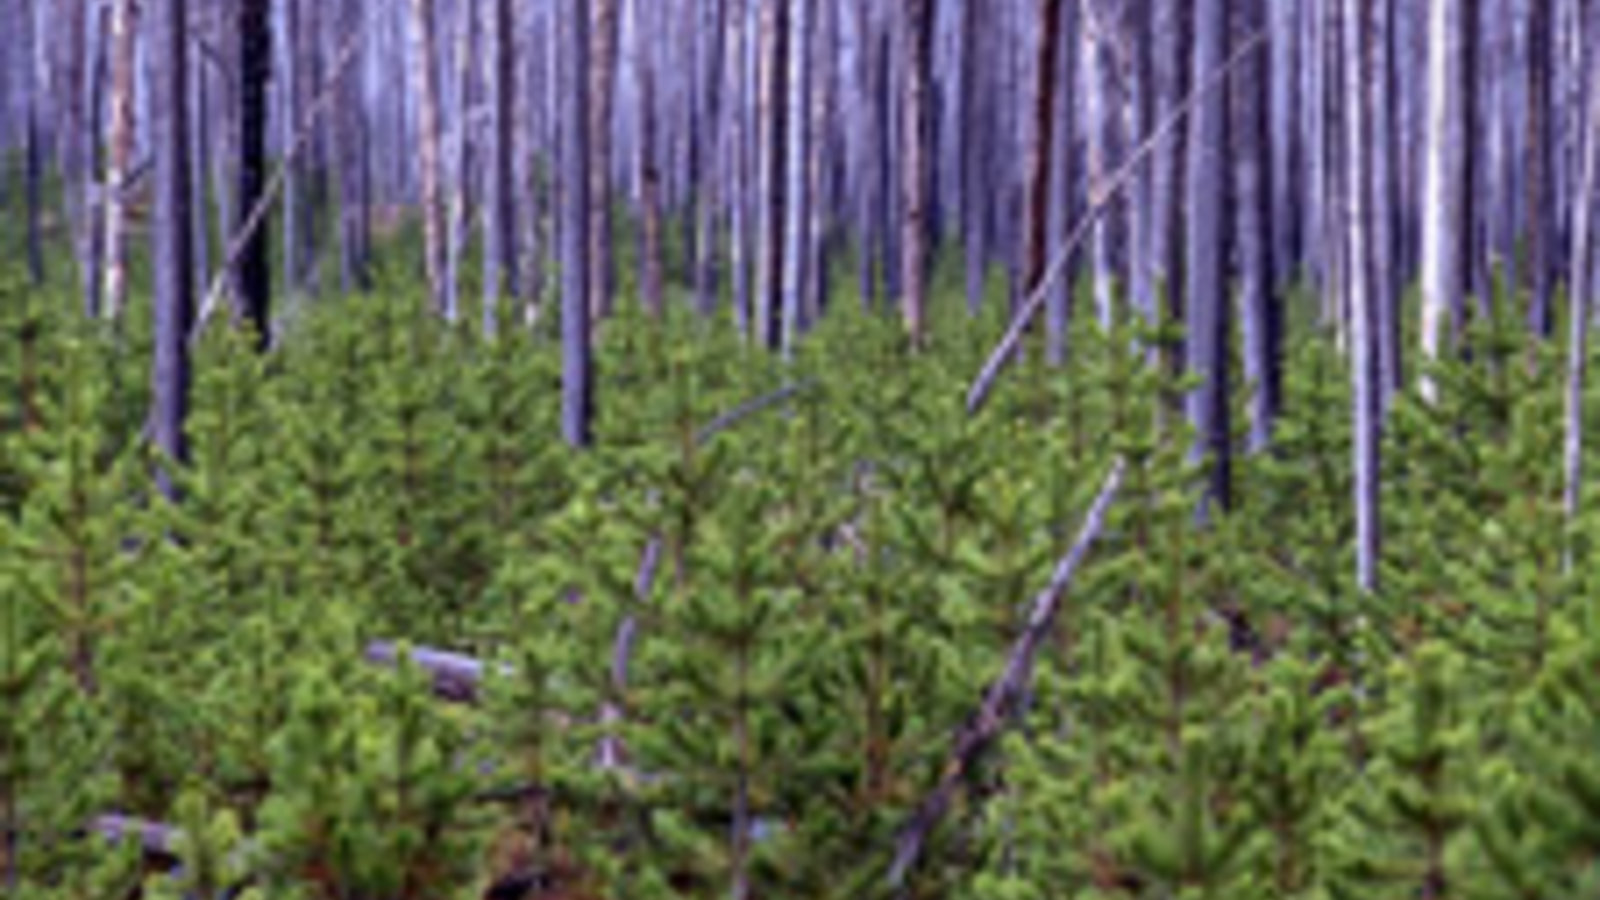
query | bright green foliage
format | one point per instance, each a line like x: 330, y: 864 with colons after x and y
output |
x: 733, y: 641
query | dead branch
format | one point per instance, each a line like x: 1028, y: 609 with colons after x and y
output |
x: 1001, y: 700
x: 983, y: 385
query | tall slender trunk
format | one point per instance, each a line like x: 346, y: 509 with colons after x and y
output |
x: 715, y: 125
x: 1387, y: 283
x: 1175, y: 54
x: 352, y: 140
x: 1446, y: 228
x: 459, y: 206
x: 1260, y: 305
x: 1364, y: 324
x: 1287, y: 146
x: 174, y: 296
x: 33, y: 149
x: 426, y: 80
x: 1041, y: 150
x: 73, y: 139
x: 820, y: 160
x: 577, y: 371
x: 1541, y: 169
x: 1105, y: 103
x: 1207, y: 294
x: 602, y: 100
x: 297, y: 222
x: 737, y: 151
x: 916, y: 163
x: 647, y: 168
x: 200, y: 133
x: 1582, y: 280
x: 797, y: 251
x: 1137, y: 30
x: 91, y: 215
x: 772, y: 115
x: 1064, y: 174
x: 974, y: 165
x: 124, y: 39
x: 254, y: 289
x: 501, y: 275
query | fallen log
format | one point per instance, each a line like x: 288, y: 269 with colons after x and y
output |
x: 456, y: 677
x: 1004, y: 695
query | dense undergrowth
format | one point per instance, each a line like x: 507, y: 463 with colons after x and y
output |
x: 827, y: 584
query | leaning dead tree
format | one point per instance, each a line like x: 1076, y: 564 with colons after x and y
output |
x: 1003, y: 699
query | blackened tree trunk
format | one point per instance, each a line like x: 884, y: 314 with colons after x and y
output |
x: 33, y: 149
x: 1259, y: 303
x: 253, y: 289
x: 174, y: 290
x: 772, y: 115
x: 1447, y: 227
x: 577, y: 371
x: 124, y: 41
x: 426, y: 79
x: 1041, y: 151
x: 1287, y: 146
x: 1540, y: 168
x: 501, y: 275
x: 1206, y: 231
x: 917, y: 165
x: 1364, y: 323
x: 1175, y: 57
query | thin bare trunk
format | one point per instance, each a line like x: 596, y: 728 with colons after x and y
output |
x: 917, y: 162
x: 124, y: 38
x: 1364, y: 349
x: 1582, y: 280
x: 426, y: 81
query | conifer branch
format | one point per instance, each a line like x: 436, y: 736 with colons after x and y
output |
x: 1001, y: 700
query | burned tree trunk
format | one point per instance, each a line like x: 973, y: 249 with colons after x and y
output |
x: 1041, y: 150
x: 174, y: 295
x: 916, y: 161
x: 771, y: 112
x: 253, y: 289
